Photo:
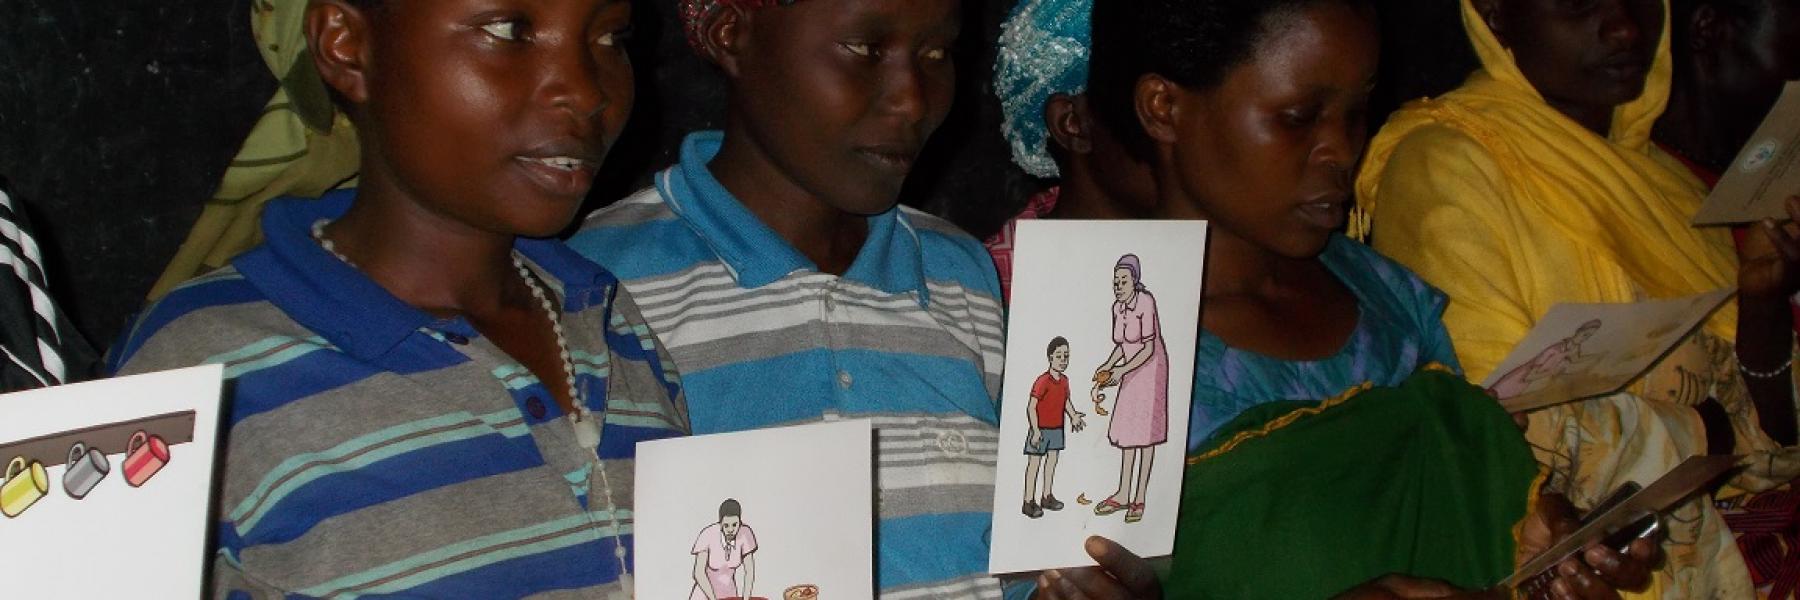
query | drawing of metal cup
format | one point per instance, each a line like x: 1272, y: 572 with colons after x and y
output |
x: 144, y: 455
x: 87, y: 467
x: 25, y: 485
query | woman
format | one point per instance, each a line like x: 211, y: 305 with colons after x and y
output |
x: 1139, y: 366
x: 1536, y: 183
x: 415, y: 371
x: 1326, y: 448
x: 724, y: 556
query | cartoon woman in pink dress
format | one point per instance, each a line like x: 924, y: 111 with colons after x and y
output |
x: 1139, y: 366
x: 724, y: 555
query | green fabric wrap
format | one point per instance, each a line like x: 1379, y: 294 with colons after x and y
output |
x: 1428, y: 479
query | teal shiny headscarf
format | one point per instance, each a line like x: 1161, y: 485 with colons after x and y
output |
x: 1043, y: 51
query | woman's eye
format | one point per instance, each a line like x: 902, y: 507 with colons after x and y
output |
x: 935, y: 54
x: 506, y: 30
x: 863, y: 50
x: 1299, y: 118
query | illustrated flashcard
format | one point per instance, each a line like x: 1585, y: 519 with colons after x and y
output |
x: 777, y: 514
x: 1766, y: 171
x: 1101, y: 333
x: 108, y: 485
x: 1580, y: 351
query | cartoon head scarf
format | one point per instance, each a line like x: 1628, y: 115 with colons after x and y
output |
x: 1043, y: 51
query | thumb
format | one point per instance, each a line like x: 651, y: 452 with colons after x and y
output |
x: 1131, y: 570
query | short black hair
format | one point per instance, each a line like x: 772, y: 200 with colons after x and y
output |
x: 1056, y: 342
x: 1194, y: 43
x: 730, y: 508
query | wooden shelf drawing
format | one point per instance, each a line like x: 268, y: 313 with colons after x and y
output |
x: 111, y: 438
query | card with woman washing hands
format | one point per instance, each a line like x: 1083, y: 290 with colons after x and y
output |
x: 1102, y: 329
x: 111, y: 478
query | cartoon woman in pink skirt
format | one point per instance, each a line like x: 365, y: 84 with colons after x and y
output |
x: 1139, y: 366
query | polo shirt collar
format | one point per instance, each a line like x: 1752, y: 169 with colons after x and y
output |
x: 351, y: 311
x: 890, y: 260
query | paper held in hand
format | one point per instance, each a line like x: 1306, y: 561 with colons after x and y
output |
x: 108, y: 486
x: 1766, y: 171
x: 1579, y: 351
x: 1100, y: 345
x: 1683, y: 481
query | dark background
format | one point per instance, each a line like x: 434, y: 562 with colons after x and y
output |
x: 117, y: 119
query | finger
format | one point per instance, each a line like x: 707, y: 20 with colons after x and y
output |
x: 1093, y: 582
x: 1056, y: 581
x: 1646, y: 551
x: 1579, y: 583
x: 1793, y: 208
x: 1783, y: 241
x: 1619, y: 571
x: 1045, y: 589
x: 1131, y: 570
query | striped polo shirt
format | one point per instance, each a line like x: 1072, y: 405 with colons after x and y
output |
x: 375, y: 449
x: 910, y: 337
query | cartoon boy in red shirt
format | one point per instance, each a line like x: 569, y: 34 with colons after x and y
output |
x: 1049, y: 403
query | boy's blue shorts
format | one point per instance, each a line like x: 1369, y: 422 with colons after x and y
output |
x: 1050, y: 439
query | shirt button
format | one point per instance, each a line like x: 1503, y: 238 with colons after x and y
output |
x: 535, y: 406
x: 830, y: 304
x: 953, y: 443
x: 844, y: 379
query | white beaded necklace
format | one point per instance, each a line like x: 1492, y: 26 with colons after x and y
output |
x: 587, y: 431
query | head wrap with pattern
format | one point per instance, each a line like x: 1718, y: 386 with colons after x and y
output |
x: 1043, y: 51
x: 695, y: 12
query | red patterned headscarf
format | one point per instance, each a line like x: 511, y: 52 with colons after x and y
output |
x: 695, y: 12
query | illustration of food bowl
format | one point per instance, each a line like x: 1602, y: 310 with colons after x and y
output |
x: 805, y: 591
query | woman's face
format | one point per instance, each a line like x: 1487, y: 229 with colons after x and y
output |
x: 1588, y: 54
x: 1122, y: 283
x: 842, y: 94
x: 730, y: 524
x: 496, y: 113
x: 1267, y: 155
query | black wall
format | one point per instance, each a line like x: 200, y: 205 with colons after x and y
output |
x: 117, y: 119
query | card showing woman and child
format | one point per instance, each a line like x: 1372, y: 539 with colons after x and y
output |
x: 1101, y: 334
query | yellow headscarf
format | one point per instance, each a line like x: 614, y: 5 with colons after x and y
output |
x: 1620, y: 195
x: 300, y: 146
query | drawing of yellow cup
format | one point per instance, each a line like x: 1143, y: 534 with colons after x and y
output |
x: 25, y: 485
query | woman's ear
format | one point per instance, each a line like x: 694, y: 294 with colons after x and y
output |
x: 724, y: 37
x: 1157, y: 101
x: 1067, y: 119
x: 337, y: 37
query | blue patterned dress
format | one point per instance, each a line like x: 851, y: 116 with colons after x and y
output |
x: 1399, y: 329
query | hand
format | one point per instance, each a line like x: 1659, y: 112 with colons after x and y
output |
x: 1079, y: 423
x: 1769, y: 261
x: 1595, y: 573
x: 1121, y: 574
x: 1032, y: 437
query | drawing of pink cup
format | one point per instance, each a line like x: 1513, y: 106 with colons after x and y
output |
x: 87, y: 467
x: 26, y: 483
x: 144, y: 456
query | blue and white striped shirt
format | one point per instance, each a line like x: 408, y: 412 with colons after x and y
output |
x: 910, y: 337
x: 375, y: 449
